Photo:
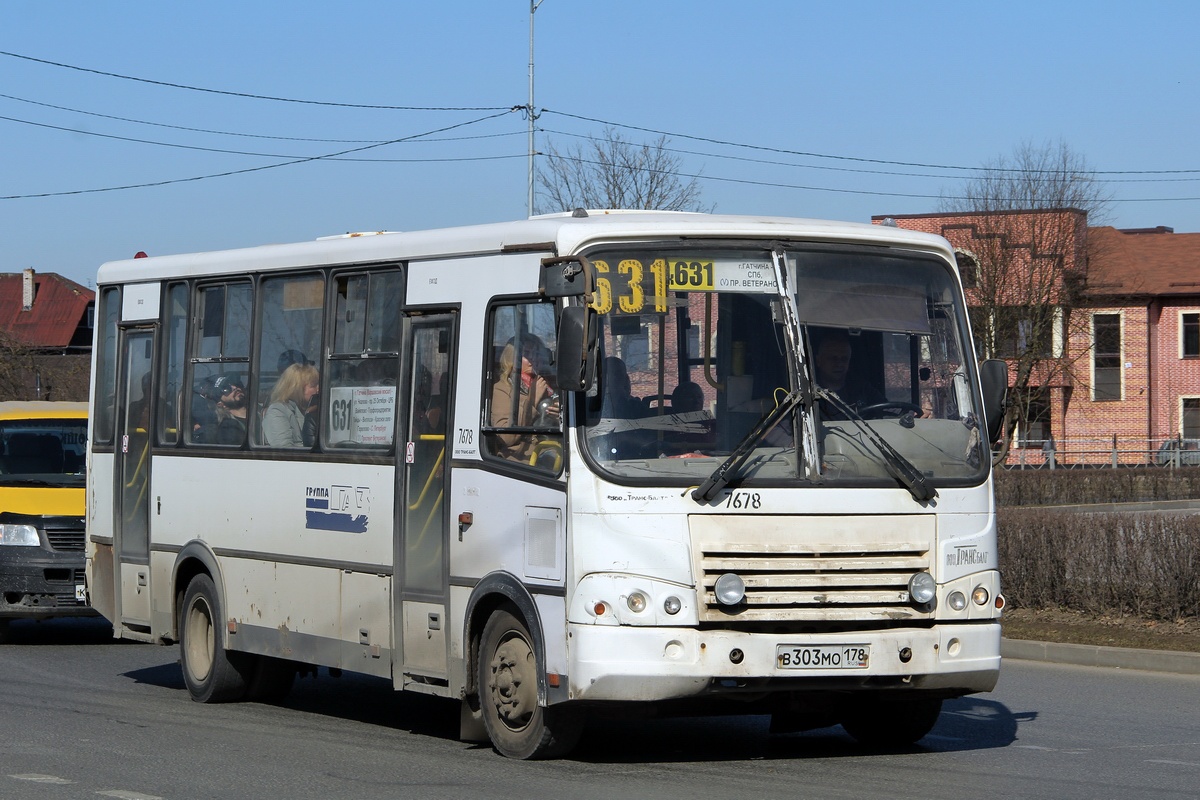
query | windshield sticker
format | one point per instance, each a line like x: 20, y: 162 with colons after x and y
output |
x: 344, y: 509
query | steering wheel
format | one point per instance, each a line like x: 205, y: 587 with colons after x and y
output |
x: 899, y: 405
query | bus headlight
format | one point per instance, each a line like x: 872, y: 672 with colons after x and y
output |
x: 922, y: 588
x: 19, y: 536
x: 672, y: 605
x: 957, y: 601
x: 980, y: 596
x: 730, y: 589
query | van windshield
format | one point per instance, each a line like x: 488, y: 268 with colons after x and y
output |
x: 43, y: 451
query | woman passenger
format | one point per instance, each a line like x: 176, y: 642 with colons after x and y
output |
x: 283, y: 421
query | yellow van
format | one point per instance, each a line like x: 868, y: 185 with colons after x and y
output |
x: 42, y: 459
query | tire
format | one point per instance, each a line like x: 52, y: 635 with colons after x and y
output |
x: 212, y: 673
x: 892, y: 722
x: 508, y: 694
x: 271, y: 680
x: 4, y: 630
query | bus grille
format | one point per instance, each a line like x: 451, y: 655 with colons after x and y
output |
x: 65, y: 534
x: 806, y: 569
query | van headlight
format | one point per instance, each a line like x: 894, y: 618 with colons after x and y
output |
x: 19, y: 536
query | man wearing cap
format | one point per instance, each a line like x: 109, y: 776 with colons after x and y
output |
x: 230, y: 397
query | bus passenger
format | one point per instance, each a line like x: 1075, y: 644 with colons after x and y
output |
x: 231, y: 410
x: 533, y: 390
x: 619, y: 402
x: 283, y: 421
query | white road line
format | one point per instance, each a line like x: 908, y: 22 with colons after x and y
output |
x: 33, y: 777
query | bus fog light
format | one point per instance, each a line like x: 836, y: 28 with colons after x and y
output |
x: 980, y: 596
x: 730, y: 589
x: 19, y: 536
x: 672, y: 605
x: 636, y: 602
x: 957, y: 601
x: 921, y: 588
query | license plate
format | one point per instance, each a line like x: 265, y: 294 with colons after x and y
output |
x: 822, y: 656
x: 80, y: 593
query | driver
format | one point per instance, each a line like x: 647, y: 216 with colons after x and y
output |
x: 831, y: 367
x: 531, y: 391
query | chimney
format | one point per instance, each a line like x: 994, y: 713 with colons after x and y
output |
x: 27, y: 290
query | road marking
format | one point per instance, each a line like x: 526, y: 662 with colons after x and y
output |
x: 33, y: 777
x: 121, y: 794
x: 1172, y: 763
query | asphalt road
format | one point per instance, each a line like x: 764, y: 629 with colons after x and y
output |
x: 85, y: 716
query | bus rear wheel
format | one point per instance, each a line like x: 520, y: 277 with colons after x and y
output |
x: 892, y: 722
x: 508, y: 693
x: 212, y: 673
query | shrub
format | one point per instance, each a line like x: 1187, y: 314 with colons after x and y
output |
x: 1146, y: 565
x: 1070, y: 486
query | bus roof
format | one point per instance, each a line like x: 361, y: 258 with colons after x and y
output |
x: 561, y: 233
x: 42, y: 409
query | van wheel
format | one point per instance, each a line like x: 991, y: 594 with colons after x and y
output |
x: 889, y: 722
x: 508, y: 693
x: 212, y: 673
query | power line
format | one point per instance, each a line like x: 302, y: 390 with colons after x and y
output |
x: 785, y: 151
x: 235, y: 133
x: 327, y: 156
x: 775, y: 185
x: 248, y: 95
x: 227, y: 151
x: 772, y: 162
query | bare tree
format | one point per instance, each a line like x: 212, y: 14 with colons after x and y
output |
x: 610, y: 172
x: 1025, y: 263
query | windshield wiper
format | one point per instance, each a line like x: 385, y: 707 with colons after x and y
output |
x: 728, y: 469
x: 896, y: 464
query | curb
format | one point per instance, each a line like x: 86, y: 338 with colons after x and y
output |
x: 1089, y: 655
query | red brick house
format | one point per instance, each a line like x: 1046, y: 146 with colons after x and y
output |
x: 1119, y: 368
x: 46, y: 324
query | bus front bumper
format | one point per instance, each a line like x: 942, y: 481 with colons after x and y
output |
x: 644, y: 664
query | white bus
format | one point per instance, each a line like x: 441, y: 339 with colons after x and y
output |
x: 556, y: 467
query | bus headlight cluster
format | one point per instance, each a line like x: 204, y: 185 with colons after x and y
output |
x: 922, y: 588
x: 19, y: 536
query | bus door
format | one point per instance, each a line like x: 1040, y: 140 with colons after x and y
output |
x: 423, y: 458
x: 131, y: 495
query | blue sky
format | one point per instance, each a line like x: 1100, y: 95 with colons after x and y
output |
x: 952, y: 84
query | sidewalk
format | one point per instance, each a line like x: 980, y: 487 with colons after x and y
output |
x: 1090, y: 655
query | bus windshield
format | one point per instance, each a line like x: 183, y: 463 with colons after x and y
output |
x: 694, y: 354
x: 46, y: 452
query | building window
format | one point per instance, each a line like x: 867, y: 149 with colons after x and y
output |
x: 1106, y: 357
x: 968, y: 269
x: 1191, y: 418
x: 1190, y: 323
x: 1033, y: 429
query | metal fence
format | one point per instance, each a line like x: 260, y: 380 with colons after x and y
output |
x: 1113, y: 451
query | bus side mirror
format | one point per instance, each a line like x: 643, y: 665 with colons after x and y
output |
x: 575, y: 351
x: 566, y: 276
x: 993, y: 374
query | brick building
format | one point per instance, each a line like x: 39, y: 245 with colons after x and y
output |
x: 46, y: 324
x: 1118, y: 373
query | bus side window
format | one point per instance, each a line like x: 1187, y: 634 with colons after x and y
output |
x: 520, y: 388
x: 363, y: 362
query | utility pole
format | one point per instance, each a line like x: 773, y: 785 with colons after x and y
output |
x: 529, y: 111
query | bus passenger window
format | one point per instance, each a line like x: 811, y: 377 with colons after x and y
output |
x: 363, y: 361
x: 287, y: 399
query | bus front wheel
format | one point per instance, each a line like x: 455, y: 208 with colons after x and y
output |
x: 508, y: 692
x: 212, y: 673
